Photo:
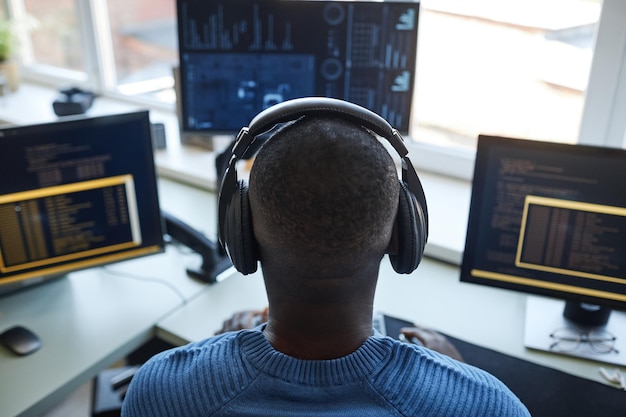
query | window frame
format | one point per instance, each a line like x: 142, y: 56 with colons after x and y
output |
x: 604, y: 114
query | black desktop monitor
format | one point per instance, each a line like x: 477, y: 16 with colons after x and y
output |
x: 550, y: 219
x: 75, y: 194
x: 238, y: 57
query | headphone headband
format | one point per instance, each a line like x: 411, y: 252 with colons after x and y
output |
x: 290, y: 110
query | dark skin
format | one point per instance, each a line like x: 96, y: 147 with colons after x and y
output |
x: 337, y: 314
x: 315, y: 342
x: 289, y: 336
x: 336, y: 310
x: 427, y: 337
x: 323, y: 340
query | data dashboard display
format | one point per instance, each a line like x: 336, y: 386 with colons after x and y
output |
x: 239, y: 57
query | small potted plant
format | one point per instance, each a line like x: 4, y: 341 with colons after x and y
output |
x: 9, y: 70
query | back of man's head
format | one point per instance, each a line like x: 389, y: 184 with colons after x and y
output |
x: 323, y: 195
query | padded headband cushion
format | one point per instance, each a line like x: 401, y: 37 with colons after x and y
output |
x: 291, y: 110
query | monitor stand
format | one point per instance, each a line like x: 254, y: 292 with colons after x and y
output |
x: 545, y: 316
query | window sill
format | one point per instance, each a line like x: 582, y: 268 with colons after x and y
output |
x: 448, y: 198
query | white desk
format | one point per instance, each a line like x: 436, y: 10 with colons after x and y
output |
x: 86, y: 322
x: 204, y: 315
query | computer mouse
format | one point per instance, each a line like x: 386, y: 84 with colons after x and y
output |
x: 20, y: 340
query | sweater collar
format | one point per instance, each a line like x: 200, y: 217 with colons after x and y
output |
x: 259, y: 352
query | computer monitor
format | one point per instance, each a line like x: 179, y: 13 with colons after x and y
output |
x: 550, y: 219
x: 74, y: 194
x: 238, y: 57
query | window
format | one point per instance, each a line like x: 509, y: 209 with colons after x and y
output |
x: 56, y: 41
x: 145, y: 49
x: 503, y: 67
x: 509, y: 67
x: 119, y: 47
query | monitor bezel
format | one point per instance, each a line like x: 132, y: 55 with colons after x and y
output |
x: 29, y: 278
x: 477, y: 202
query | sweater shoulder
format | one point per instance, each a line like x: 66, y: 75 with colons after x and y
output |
x: 195, y: 379
x: 417, y: 378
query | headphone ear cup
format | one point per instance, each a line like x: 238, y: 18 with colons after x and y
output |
x: 409, y: 234
x: 241, y: 243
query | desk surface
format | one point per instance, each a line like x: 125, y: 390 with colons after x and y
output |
x: 86, y: 321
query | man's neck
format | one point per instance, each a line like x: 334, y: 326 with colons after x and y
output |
x: 318, y: 333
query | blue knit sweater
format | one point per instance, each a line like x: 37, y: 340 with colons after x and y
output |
x: 241, y: 374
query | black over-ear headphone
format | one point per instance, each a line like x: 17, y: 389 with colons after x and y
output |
x: 235, y: 222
